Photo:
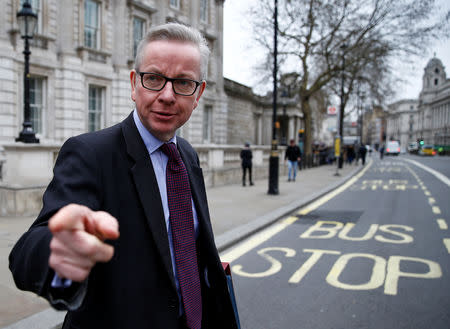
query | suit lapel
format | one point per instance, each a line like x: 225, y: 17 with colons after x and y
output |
x: 147, y: 188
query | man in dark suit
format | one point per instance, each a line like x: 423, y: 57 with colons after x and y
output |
x: 114, y: 180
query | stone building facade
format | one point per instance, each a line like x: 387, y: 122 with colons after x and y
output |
x: 428, y: 117
x: 250, y: 116
x: 81, y: 57
x: 403, y: 122
x: 374, y: 126
x: 434, y: 105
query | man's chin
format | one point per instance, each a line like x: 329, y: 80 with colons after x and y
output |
x: 162, y: 133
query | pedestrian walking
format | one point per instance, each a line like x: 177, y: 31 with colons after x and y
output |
x: 246, y: 162
x: 124, y: 238
x: 293, y: 157
x: 362, y: 153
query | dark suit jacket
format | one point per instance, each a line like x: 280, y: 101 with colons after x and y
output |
x: 111, y: 170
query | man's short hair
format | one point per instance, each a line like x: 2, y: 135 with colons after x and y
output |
x: 175, y: 32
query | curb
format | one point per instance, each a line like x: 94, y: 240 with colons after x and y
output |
x: 227, y: 239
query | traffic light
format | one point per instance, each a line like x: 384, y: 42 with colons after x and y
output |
x: 301, y: 133
x: 421, y: 142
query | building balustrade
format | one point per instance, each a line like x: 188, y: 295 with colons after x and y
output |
x: 21, y: 188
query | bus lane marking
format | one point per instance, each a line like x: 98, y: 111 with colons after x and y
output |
x: 329, y: 229
x: 387, y: 272
x: 261, y: 237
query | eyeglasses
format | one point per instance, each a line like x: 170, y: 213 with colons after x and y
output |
x: 180, y: 86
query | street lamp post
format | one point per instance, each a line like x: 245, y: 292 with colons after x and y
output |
x: 27, y: 20
x: 361, y: 119
x: 274, y: 160
x: 341, y: 108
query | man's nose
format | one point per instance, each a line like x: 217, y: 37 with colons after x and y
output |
x: 167, y: 93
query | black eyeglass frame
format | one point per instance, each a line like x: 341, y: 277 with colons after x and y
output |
x: 197, y: 83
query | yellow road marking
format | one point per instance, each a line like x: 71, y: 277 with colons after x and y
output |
x: 442, y: 224
x: 427, y: 193
x: 447, y: 244
x: 431, y: 201
x: 436, y: 210
x: 268, y: 233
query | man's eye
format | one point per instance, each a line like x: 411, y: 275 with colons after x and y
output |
x: 152, y: 78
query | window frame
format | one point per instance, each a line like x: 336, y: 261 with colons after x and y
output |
x: 39, y: 108
x: 135, y: 42
x: 207, y: 123
x: 204, y: 11
x: 97, y: 29
x: 174, y: 4
x: 98, y: 122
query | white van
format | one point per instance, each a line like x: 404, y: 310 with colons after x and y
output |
x: 392, y: 148
x: 413, y: 147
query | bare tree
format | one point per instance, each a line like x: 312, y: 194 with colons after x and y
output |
x: 322, y: 40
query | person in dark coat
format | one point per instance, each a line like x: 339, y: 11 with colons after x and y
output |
x: 246, y: 162
x: 362, y: 153
x: 293, y: 156
x: 106, y: 245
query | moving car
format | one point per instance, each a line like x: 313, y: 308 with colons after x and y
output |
x: 427, y: 150
x: 392, y: 148
x: 413, y: 148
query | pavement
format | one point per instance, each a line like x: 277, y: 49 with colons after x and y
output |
x: 236, y: 212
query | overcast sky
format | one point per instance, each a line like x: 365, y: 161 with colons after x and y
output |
x: 240, y: 52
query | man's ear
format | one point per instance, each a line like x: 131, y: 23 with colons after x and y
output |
x: 200, y: 92
x: 133, y: 78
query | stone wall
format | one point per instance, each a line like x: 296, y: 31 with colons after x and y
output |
x: 27, y: 170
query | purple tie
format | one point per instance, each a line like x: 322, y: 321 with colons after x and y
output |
x: 182, y: 226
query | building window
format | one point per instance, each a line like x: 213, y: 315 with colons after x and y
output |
x: 175, y: 4
x: 436, y: 81
x: 207, y: 123
x: 36, y: 103
x: 204, y: 11
x: 138, y: 33
x: 92, y: 24
x: 95, y: 108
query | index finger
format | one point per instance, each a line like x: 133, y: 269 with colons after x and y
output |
x: 104, y: 226
x: 70, y: 217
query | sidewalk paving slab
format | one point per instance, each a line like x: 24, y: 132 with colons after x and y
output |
x: 236, y: 213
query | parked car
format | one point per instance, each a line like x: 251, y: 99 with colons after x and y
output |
x: 427, y: 150
x: 392, y: 148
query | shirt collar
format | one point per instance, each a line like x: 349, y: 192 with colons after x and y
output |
x: 151, y: 142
